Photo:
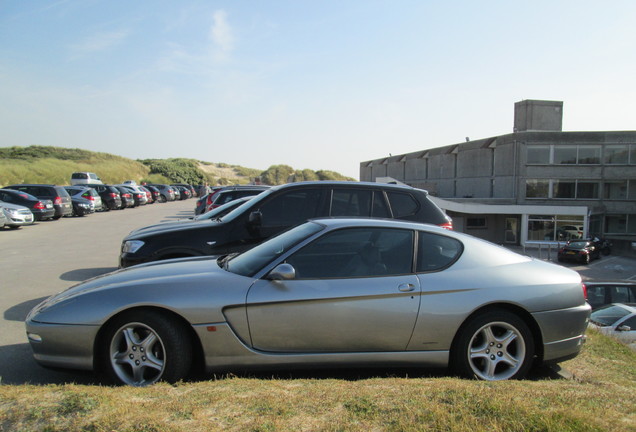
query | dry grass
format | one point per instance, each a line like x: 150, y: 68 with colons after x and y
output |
x: 600, y: 397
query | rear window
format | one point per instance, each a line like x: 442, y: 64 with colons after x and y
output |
x: 80, y: 176
x: 61, y: 191
x: 436, y: 252
x: 402, y: 204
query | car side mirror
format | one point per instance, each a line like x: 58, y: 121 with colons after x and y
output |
x: 255, y: 218
x: 282, y: 272
x: 623, y: 328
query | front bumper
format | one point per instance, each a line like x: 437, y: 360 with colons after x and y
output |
x: 61, y: 345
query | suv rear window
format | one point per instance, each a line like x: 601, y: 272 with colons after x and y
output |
x: 402, y: 204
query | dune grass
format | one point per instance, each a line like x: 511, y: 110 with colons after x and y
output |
x: 601, y: 396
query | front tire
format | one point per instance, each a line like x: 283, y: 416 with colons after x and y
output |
x: 141, y: 348
x: 494, y: 346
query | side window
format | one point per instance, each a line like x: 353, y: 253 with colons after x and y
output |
x: 380, y: 207
x: 436, y: 252
x: 351, y: 202
x: 631, y: 323
x: 620, y: 294
x: 290, y: 208
x: 355, y: 253
x: 402, y: 204
x: 596, y: 295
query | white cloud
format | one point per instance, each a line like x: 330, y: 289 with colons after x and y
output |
x: 100, y: 42
x: 221, y: 32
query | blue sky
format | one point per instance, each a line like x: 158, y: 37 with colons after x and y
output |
x: 311, y: 84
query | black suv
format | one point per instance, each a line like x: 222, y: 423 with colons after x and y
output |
x: 61, y: 199
x: 276, y: 210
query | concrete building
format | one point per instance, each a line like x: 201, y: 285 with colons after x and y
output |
x: 535, y: 185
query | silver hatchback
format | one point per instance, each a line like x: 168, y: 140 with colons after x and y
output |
x: 16, y: 215
x: 87, y: 193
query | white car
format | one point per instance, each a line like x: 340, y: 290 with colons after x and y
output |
x: 16, y: 215
x: 617, y: 320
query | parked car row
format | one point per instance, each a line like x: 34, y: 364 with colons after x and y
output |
x: 22, y: 204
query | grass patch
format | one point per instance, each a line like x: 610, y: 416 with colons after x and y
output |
x: 600, y: 397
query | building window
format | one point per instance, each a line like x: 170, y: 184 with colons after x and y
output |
x: 555, y: 227
x: 587, y: 190
x: 616, y: 224
x: 570, y: 154
x: 564, y: 189
x: 564, y: 155
x: 632, y: 154
x: 615, y: 190
x: 476, y: 223
x: 632, y: 190
x: 617, y: 154
x: 539, y: 154
x: 589, y: 155
x: 537, y: 188
x: 631, y: 224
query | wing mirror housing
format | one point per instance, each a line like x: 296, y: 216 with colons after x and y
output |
x: 255, y: 218
x: 282, y: 272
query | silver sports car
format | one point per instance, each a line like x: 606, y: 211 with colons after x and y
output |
x: 355, y: 292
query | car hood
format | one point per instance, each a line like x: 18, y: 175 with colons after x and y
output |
x: 13, y: 206
x: 154, y: 272
x: 180, y: 225
x: 184, y: 283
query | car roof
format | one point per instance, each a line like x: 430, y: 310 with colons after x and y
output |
x: 344, y: 221
x: 355, y: 184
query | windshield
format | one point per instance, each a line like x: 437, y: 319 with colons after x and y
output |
x: 222, y: 210
x: 609, y: 315
x: 253, y: 204
x: 250, y: 262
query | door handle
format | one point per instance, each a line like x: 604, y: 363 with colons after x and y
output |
x: 406, y: 287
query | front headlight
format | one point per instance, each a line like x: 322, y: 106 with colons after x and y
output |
x: 132, y: 246
x: 11, y: 212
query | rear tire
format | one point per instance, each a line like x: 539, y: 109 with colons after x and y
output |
x: 140, y: 348
x: 492, y: 346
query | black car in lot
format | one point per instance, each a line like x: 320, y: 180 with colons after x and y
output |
x: 127, y: 199
x: 41, y: 209
x: 82, y: 206
x: 57, y: 194
x: 111, y: 197
x: 276, y: 210
x: 582, y: 251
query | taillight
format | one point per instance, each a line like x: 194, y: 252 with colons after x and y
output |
x: 39, y: 205
x: 88, y: 196
x: 57, y: 200
x: 113, y: 195
x: 447, y: 225
x: 584, y: 290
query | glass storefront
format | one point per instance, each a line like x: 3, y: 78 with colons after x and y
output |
x: 555, y: 227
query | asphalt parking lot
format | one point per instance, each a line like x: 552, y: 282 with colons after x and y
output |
x: 40, y: 260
